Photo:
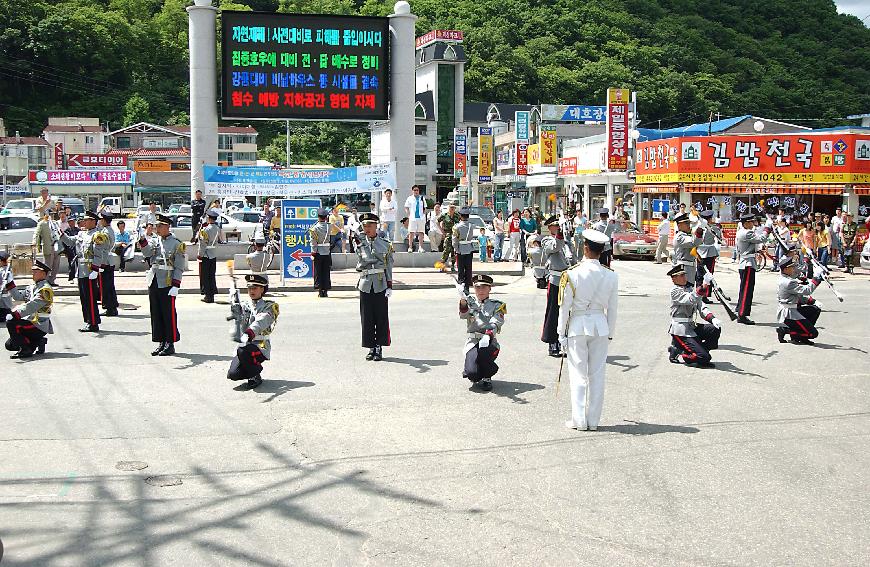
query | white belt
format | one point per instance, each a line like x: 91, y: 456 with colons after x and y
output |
x: 373, y: 271
x: 681, y: 320
x: 44, y: 316
x: 210, y: 247
x: 589, y: 312
x: 261, y: 337
x: 555, y: 273
x: 789, y: 305
x: 687, y: 262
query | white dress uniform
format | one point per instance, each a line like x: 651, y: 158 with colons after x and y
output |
x: 587, y: 320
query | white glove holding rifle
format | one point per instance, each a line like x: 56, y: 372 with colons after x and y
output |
x: 708, y: 278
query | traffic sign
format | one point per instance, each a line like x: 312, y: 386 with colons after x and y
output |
x: 661, y: 206
x: 297, y: 217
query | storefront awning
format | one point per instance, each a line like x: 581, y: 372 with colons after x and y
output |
x: 159, y: 189
x: 861, y: 189
x: 765, y: 189
x: 657, y: 188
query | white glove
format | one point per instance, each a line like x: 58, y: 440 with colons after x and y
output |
x: 8, y: 316
x: 389, y: 292
x: 459, y: 287
x: 563, y: 344
x: 716, y: 323
x: 818, y: 274
x: 708, y: 278
x: 173, y: 291
x: 818, y: 304
x: 482, y: 343
x: 92, y: 275
x: 102, y: 270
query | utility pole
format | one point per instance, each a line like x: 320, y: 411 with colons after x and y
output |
x: 288, y: 143
x: 344, y: 158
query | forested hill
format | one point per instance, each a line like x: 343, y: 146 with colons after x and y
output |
x: 125, y: 60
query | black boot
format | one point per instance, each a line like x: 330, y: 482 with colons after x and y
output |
x: 378, y: 354
x: 168, y: 350
x: 673, y: 355
x: 371, y: 354
x: 40, y: 348
x: 23, y: 353
x: 486, y: 384
x: 157, y: 350
x: 90, y: 329
x: 254, y: 382
x: 745, y: 320
x: 780, y: 333
x: 554, y: 350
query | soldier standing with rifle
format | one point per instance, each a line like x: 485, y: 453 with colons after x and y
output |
x: 167, y: 259
x: 464, y: 242
x: 92, y: 249
x: 708, y: 250
x: 209, y: 236
x: 29, y: 324
x: 375, y: 265
x: 484, y: 317
x: 747, y: 241
x: 108, y: 294
x: 796, y: 315
x: 555, y: 255
x: 322, y: 254
x: 684, y: 242
x: 259, y: 318
x: 689, y: 339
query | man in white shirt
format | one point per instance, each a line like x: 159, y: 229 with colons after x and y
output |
x: 436, y: 237
x: 388, y: 214
x: 415, y: 210
x: 587, y: 321
x: 664, y: 232
x: 837, y: 236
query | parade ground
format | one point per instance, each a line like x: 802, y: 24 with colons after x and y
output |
x: 109, y: 456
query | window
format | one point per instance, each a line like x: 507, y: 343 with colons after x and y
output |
x: 123, y: 142
x: 474, y: 161
x: 245, y: 156
x: 420, y: 111
x: 225, y: 142
x: 245, y: 140
x: 420, y: 130
x: 89, y: 139
x: 37, y: 155
x: 225, y: 158
x: 11, y: 223
x: 420, y: 159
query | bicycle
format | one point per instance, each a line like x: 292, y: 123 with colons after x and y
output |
x: 766, y: 251
x: 273, y: 246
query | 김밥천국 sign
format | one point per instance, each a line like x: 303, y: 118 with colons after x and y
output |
x: 304, y: 66
x: 774, y: 158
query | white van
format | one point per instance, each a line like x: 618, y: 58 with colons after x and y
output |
x: 115, y: 205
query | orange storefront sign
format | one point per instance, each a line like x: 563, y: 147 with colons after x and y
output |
x: 160, y: 165
x: 775, y: 158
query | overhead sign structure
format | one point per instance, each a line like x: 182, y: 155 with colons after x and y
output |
x: 617, y: 129
x: 81, y: 177
x: 297, y: 216
x: 267, y: 181
x: 449, y: 36
x: 484, y: 155
x: 573, y: 113
x: 304, y: 66
x: 460, y: 152
x: 94, y: 161
x: 773, y: 158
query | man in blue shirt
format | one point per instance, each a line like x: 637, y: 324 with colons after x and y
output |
x: 415, y: 210
x: 122, y: 243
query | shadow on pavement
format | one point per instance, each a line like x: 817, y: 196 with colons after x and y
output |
x: 748, y: 351
x: 511, y: 390
x: 104, y: 333
x: 279, y: 387
x: 616, y: 361
x: 197, y: 359
x: 838, y: 347
x: 420, y: 365
x: 730, y: 368
x: 641, y: 428
x: 58, y: 355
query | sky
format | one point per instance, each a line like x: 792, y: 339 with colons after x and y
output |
x: 860, y: 8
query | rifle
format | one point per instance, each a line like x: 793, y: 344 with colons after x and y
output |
x: 718, y: 293
x: 236, y: 310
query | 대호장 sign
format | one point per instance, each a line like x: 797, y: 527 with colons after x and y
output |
x: 304, y: 66
x: 521, y: 120
x: 451, y: 36
x: 484, y: 155
x: 460, y: 152
x: 297, y: 216
x: 81, y: 177
x: 772, y: 158
x: 573, y: 113
x: 86, y: 161
x: 266, y: 181
x: 617, y: 129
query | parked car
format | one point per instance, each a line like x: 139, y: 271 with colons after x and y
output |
x: 631, y: 241
x: 182, y: 226
x: 865, y: 255
x: 143, y: 210
x: 19, y: 206
x: 180, y: 208
x: 76, y: 205
x: 485, y: 213
x: 16, y: 228
x: 246, y: 216
x: 478, y: 222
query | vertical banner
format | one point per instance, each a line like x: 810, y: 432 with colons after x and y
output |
x: 521, y: 119
x: 460, y: 152
x: 297, y: 216
x: 484, y: 155
x: 548, y: 146
x: 522, y: 158
x: 617, y: 129
x: 58, y: 156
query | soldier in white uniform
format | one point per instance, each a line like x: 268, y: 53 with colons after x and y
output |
x: 684, y: 242
x: 322, y: 255
x: 690, y: 339
x: 464, y: 243
x: 556, y: 257
x: 29, y: 324
x: 587, y: 320
x: 260, y: 317
x: 92, y: 250
x: 108, y: 294
x: 7, y: 284
x: 746, y: 244
x: 257, y: 259
x: 167, y: 259
x: 375, y: 266
x: 797, y: 313
x: 209, y: 237
x: 708, y: 250
x: 484, y: 317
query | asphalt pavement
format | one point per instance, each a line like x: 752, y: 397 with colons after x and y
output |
x: 111, y: 457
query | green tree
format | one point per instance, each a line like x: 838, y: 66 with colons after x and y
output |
x: 136, y: 109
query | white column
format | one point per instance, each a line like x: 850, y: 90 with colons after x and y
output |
x: 203, y: 91
x: 402, y: 90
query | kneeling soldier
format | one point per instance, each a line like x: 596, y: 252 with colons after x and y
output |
x: 485, y: 317
x: 29, y: 324
x: 692, y: 340
x: 797, y: 314
x: 260, y: 317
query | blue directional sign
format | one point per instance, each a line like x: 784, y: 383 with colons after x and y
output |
x: 661, y: 206
x: 297, y: 216
x: 573, y: 112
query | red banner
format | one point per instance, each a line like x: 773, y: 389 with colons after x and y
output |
x: 522, y: 159
x: 95, y: 160
x: 82, y: 177
x: 58, y: 156
x: 568, y: 166
x: 438, y: 35
x: 617, y: 129
x: 776, y: 158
